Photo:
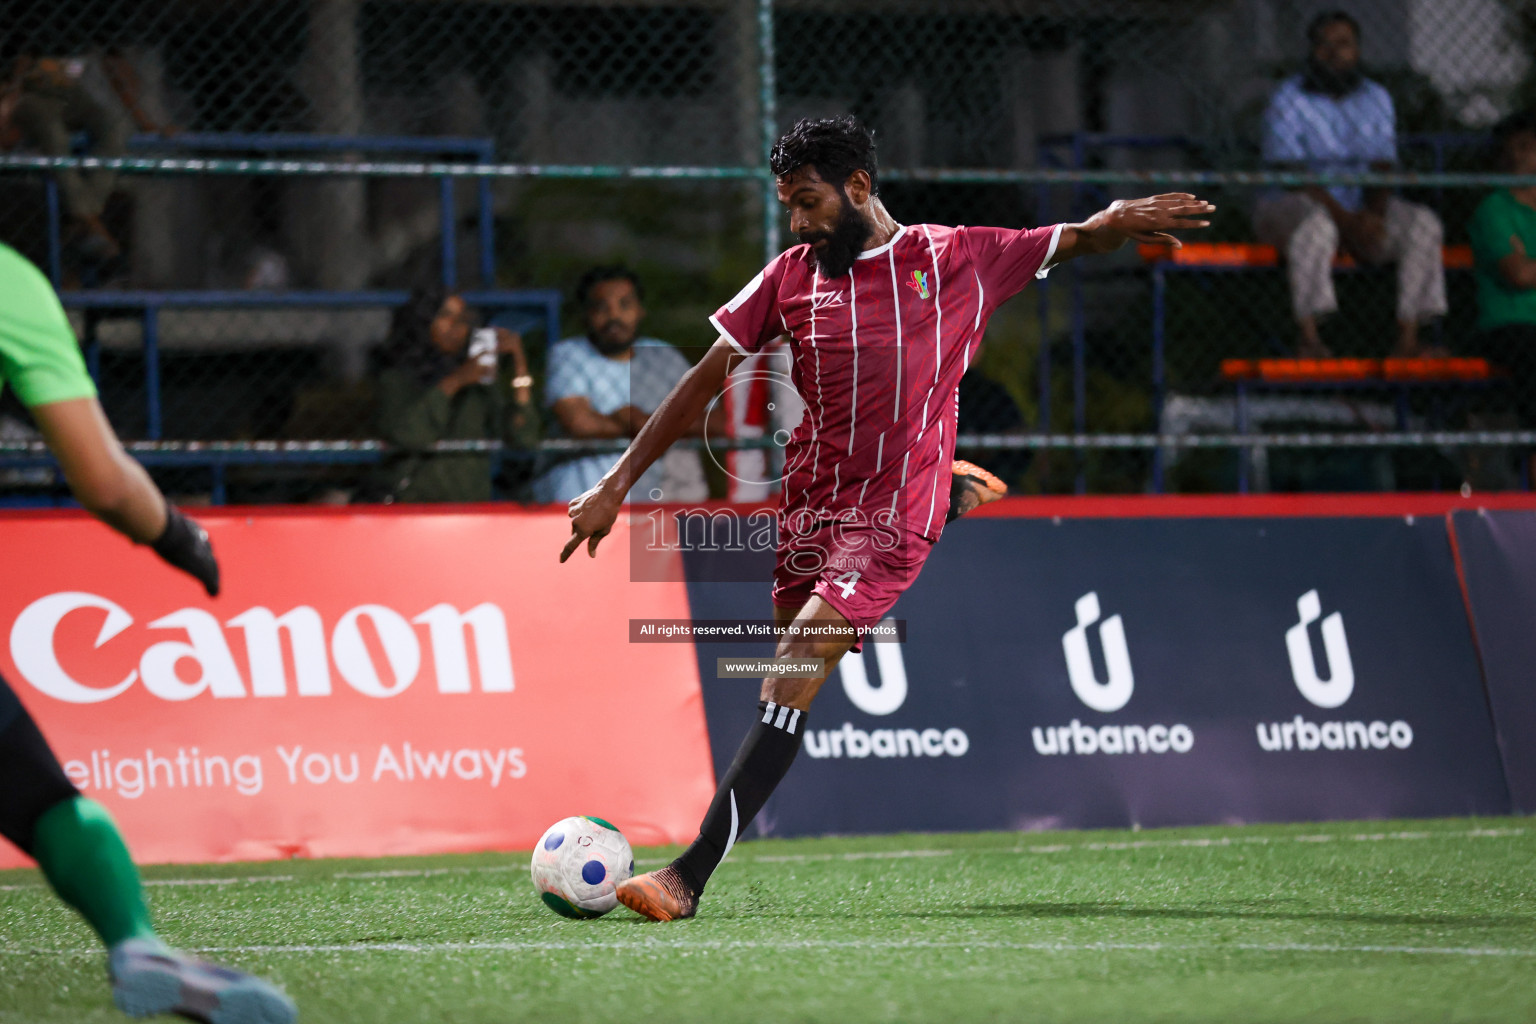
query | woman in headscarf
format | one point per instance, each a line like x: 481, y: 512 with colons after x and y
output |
x: 432, y: 388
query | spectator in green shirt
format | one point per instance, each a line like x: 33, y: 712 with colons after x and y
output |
x: 433, y: 388
x: 1503, y: 230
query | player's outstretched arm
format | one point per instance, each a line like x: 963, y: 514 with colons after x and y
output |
x: 593, y: 513
x: 115, y: 489
x: 1138, y: 220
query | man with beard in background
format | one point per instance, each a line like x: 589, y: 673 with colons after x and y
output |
x: 883, y: 320
x: 1331, y: 118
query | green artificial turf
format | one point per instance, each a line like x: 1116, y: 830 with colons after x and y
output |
x: 1395, y: 922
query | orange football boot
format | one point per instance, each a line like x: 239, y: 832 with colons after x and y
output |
x: 658, y: 895
x: 970, y: 487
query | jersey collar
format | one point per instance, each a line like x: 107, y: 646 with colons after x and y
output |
x: 901, y: 229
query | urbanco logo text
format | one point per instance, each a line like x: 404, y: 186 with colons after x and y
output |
x: 1327, y: 692
x: 879, y: 701
x: 1108, y: 696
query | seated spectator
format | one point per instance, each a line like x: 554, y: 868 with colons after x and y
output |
x: 1503, y: 232
x: 434, y: 388
x: 45, y: 102
x: 606, y: 384
x: 1332, y: 119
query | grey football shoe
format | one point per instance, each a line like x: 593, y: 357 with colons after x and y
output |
x: 149, y: 978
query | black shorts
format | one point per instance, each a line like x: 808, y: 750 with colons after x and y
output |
x: 10, y: 706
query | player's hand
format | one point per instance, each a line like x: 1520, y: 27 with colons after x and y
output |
x: 185, y: 545
x: 592, y: 516
x: 1150, y: 220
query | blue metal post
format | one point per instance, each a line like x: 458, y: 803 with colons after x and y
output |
x: 1043, y: 360
x: 92, y: 346
x: 218, y: 496
x: 487, y: 233
x: 1043, y: 369
x: 1245, y: 453
x: 450, y: 243
x: 152, y: 372
x: 1079, y: 375
x: 1159, y: 382
x: 768, y: 103
x: 55, y: 244
x: 551, y: 320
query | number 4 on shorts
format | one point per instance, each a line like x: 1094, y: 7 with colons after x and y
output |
x: 847, y: 581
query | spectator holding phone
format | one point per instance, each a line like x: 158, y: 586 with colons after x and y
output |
x: 444, y: 381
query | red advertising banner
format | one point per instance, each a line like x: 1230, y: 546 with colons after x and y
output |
x: 368, y: 683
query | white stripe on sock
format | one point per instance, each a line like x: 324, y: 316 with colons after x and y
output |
x: 734, y: 824
x: 768, y: 713
x: 783, y: 715
x: 792, y: 720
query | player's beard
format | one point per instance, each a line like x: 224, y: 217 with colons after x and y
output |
x: 1323, y: 79
x: 844, y: 242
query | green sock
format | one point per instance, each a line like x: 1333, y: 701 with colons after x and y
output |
x: 85, y: 860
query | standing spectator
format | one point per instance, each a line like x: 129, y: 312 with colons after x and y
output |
x: 434, y: 388
x: 44, y: 102
x: 1331, y: 118
x: 607, y: 384
x: 1503, y: 231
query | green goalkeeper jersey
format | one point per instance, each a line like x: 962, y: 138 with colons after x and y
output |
x: 39, y: 355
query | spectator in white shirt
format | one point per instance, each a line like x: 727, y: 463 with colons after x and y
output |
x: 606, y: 384
x: 1332, y: 118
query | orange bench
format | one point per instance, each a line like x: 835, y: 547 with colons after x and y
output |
x: 1252, y: 254
x: 1325, y: 371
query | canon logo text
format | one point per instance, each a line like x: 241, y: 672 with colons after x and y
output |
x: 385, y: 672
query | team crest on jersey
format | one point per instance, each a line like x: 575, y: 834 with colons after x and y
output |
x: 919, y: 283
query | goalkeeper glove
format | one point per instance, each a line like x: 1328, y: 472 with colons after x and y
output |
x: 185, y: 545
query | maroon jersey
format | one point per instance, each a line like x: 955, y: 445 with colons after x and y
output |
x: 878, y: 356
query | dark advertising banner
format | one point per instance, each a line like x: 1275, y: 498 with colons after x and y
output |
x: 1106, y: 673
x: 1498, y: 556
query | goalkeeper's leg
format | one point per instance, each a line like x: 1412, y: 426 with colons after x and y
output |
x: 85, y: 860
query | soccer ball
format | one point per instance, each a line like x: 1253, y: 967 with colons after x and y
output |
x: 577, y: 864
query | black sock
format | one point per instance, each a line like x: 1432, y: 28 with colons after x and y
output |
x: 765, y: 755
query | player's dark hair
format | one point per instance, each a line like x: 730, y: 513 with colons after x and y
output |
x: 834, y: 146
x: 597, y: 275
x: 1521, y: 122
x: 1333, y: 17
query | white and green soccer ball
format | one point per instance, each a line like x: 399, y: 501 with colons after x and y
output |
x: 578, y: 863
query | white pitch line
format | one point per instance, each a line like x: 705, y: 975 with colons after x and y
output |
x: 802, y: 858
x: 1144, y: 844
x: 220, y: 881
x: 510, y: 946
x: 796, y: 858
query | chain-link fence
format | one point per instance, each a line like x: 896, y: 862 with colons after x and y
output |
x: 280, y: 174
